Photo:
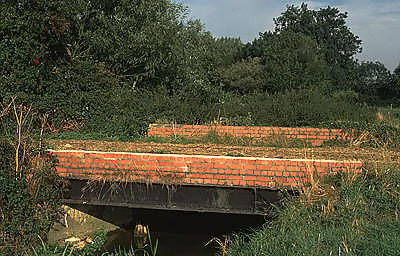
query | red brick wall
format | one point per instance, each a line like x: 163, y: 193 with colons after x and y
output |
x: 202, y: 170
x: 313, y: 135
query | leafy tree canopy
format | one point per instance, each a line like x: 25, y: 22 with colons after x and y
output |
x: 397, y: 71
x: 327, y: 26
x: 288, y: 60
x: 291, y: 61
x: 66, y: 56
x: 375, y: 83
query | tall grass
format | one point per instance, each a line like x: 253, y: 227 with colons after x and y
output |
x: 343, y: 215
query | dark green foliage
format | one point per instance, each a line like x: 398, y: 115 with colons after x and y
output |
x: 327, y: 26
x: 284, y: 61
x: 245, y: 76
x: 127, y: 38
x: 397, y: 71
x: 113, y: 67
x: 292, y: 61
x: 355, y: 216
x: 28, y: 201
x: 315, y: 48
x: 110, y: 67
x: 44, y: 64
x: 308, y: 107
x: 30, y: 189
x: 376, y: 84
x: 333, y: 38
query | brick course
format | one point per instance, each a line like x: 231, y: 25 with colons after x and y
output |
x: 192, y: 169
x: 315, y: 136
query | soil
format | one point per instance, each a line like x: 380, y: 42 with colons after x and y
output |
x: 331, y: 153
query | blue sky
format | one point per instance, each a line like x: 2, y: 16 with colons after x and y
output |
x: 376, y: 22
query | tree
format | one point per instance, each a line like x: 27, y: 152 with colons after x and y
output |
x: 135, y: 39
x: 328, y: 28
x: 376, y: 84
x: 75, y: 60
x: 256, y: 47
x: 291, y: 61
x: 285, y: 61
x: 396, y: 78
x: 397, y: 71
x: 44, y: 62
x: 245, y: 76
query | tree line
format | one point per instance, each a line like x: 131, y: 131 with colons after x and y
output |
x: 113, y: 66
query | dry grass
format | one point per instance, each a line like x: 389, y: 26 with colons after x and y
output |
x: 119, y: 179
x: 222, y: 245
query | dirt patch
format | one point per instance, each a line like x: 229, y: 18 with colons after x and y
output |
x: 331, y: 153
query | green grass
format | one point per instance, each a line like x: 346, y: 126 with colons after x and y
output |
x: 96, y: 248
x: 213, y: 138
x: 83, y: 136
x: 210, y: 138
x: 340, y: 216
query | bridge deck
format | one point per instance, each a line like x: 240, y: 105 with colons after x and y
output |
x: 211, y: 183
x: 200, y: 177
x: 319, y: 153
x: 195, y: 169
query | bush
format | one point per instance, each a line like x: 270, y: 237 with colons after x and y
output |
x: 30, y: 192
x: 294, y: 108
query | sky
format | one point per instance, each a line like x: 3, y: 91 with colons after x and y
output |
x: 376, y: 22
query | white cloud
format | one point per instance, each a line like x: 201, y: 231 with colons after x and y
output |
x: 377, y: 23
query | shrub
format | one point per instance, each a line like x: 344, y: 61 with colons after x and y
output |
x: 30, y: 192
x: 294, y: 108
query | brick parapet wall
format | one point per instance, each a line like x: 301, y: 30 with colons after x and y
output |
x: 195, y: 170
x: 315, y: 136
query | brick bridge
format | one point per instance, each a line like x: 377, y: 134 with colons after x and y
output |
x: 244, y: 185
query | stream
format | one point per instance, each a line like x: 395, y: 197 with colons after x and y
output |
x: 178, y: 233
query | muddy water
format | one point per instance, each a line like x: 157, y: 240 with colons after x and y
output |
x: 178, y: 233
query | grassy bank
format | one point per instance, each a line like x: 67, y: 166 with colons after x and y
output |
x: 342, y: 215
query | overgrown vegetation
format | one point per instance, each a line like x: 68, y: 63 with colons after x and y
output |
x: 229, y: 140
x: 109, y: 68
x: 345, y: 215
x: 96, y: 247
x: 113, y: 67
x: 30, y: 190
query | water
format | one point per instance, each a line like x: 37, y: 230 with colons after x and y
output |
x: 179, y: 233
x: 184, y: 233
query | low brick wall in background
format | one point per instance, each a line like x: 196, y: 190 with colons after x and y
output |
x: 195, y: 170
x: 315, y: 136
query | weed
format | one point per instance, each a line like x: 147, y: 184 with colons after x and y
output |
x: 213, y: 137
x: 30, y: 189
x: 96, y: 248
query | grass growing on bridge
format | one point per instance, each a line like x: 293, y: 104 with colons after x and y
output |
x: 345, y: 215
x: 210, y: 138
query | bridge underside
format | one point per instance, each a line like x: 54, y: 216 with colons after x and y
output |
x: 193, y: 198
